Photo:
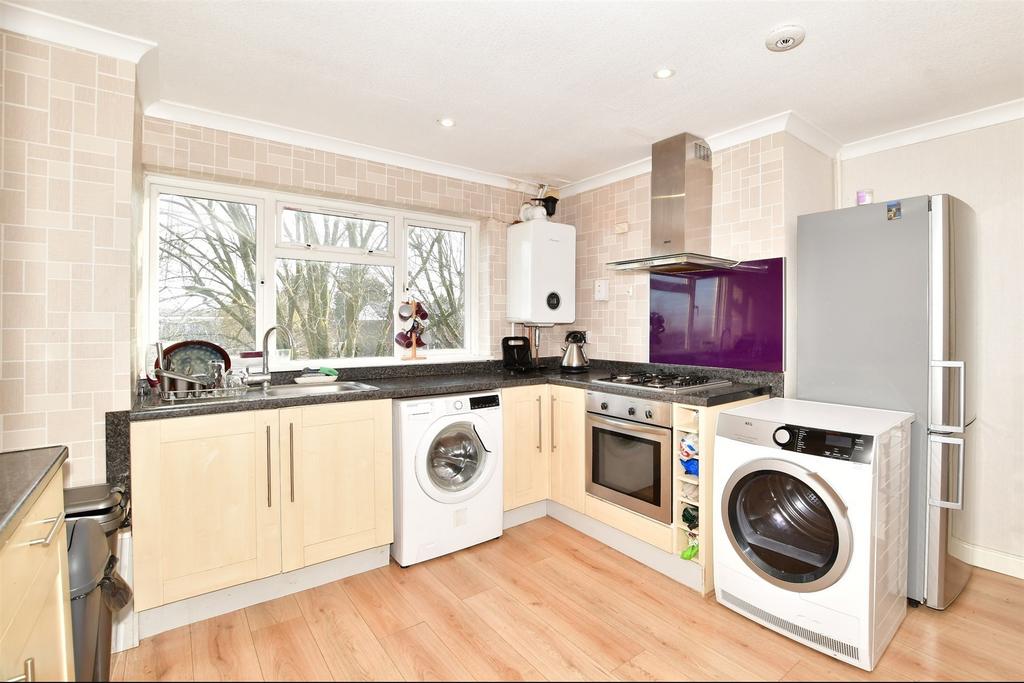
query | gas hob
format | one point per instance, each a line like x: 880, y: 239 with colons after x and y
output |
x: 667, y: 383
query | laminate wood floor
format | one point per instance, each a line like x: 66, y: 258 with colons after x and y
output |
x: 545, y: 602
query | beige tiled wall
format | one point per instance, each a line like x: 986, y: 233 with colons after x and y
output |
x: 618, y: 328
x: 205, y: 153
x: 747, y: 212
x: 65, y: 248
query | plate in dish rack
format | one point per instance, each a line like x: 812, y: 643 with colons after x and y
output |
x: 193, y: 357
x: 315, y: 379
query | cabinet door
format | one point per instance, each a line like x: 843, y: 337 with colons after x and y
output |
x: 526, y: 417
x: 568, y: 432
x: 205, y: 504
x: 38, y: 627
x: 336, y: 480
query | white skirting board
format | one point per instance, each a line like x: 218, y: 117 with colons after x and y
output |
x: 987, y: 558
x: 687, y: 573
x: 125, y: 623
x: 524, y: 514
x: 191, y: 610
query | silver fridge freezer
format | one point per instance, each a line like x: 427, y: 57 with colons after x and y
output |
x: 877, y: 326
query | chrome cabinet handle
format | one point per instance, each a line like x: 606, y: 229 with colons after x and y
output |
x: 958, y: 365
x: 269, y: 501
x: 29, y: 675
x: 291, y: 458
x: 48, y: 539
x: 540, y: 420
x: 935, y: 444
x: 553, y: 444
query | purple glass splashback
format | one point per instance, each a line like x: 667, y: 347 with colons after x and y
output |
x: 723, y: 318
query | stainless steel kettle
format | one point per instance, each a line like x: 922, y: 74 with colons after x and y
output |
x: 574, y: 358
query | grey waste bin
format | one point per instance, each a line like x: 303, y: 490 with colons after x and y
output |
x: 107, y: 504
x: 89, y: 560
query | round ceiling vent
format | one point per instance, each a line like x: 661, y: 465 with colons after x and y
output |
x: 784, y: 38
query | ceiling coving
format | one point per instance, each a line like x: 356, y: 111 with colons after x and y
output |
x: 561, y: 92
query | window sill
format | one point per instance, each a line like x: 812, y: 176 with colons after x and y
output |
x: 436, y: 358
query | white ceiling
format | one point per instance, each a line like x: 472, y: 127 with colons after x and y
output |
x: 561, y: 91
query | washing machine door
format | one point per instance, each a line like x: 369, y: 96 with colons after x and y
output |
x: 787, y: 524
x: 456, y: 458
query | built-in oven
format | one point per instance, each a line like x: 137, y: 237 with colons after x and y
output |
x: 629, y: 453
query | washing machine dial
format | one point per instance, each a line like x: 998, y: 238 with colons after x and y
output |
x: 782, y: 436
x: 458, y: 405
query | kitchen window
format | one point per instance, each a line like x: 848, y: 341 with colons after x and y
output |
x: 227, y: 263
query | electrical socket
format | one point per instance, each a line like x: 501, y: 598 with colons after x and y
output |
x: 621, y: 228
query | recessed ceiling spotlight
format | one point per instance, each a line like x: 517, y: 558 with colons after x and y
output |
x: 446, y: 122
x: 785, y: 38
x: 663, y: 73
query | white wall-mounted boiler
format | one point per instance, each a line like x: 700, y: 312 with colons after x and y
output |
x: 541, y: 273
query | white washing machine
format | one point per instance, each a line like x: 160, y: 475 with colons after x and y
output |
x: 810, y: 522
x: 448, y: 474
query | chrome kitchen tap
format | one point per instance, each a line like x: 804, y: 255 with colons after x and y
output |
x: 263, y: 378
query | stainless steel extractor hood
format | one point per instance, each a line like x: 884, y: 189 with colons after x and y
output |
x: 680, y: 204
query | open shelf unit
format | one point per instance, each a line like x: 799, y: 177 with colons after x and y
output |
x: 696, y: 422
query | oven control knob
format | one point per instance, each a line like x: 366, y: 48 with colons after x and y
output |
x: 649, y: 414
x: 631, y: 411
x: 782, y: 436
x: 604, y: 405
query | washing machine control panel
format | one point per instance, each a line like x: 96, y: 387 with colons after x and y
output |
x: 824, y: 443
x: 478, y: 402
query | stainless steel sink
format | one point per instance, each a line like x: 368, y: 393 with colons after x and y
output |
x: 308, y: 389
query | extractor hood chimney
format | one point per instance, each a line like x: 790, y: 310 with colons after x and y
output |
x: 680, y: 203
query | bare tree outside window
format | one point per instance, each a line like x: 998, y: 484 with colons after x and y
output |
x: 335, y: 310
x: 437, y: 277
x: 207, y: 266
x: 334, y: 307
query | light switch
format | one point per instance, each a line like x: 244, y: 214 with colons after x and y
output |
x: 600, y: 290
x: 621, y: 228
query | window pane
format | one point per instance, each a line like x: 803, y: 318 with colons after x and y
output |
x: 336, y: 310
x: 437, y: 276
x: 207, y: 268
x: 326, y: 230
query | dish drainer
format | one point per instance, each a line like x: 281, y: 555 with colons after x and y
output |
x: 202, y: 394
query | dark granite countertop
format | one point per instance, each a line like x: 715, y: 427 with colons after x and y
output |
x: 428, y: 385
x: 23, y: 476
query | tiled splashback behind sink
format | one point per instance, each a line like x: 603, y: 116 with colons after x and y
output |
x: 724, y: 318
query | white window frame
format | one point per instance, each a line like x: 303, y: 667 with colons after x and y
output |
x: 270, y: 247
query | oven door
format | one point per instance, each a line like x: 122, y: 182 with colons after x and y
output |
x: 630, y: 465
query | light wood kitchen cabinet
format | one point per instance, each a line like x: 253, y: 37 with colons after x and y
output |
x: 35, y: 606
x: 336, y: 483
x: 206, y: 504
x: 526, y: 426
x: 224, y: 499
x: 568, y: 412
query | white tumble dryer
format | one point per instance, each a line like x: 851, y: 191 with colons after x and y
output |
x: 810, y: 522
x: 448, y: 483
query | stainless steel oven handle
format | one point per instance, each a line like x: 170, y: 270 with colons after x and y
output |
x: 627, y: 426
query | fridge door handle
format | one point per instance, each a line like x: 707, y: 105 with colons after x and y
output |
x: 937, y: 474
x: 958, y: 365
